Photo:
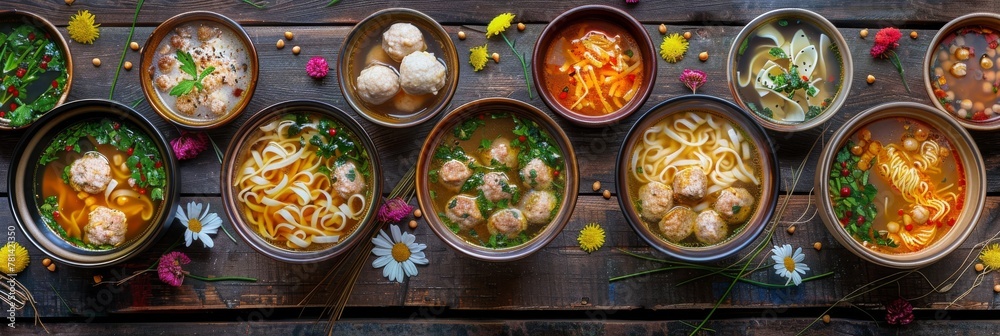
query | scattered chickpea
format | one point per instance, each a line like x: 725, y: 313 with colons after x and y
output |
x: 98, y: 278
x: 461, y: 35
x: 134, y: 46
x: 413, y: 225
x: 52, y: 267
x: 128, y: 66
x: 520, y: 26
x: 826, y: 318
x: 280, y: 44
x: 46, y: 262
x: 417, y: 213
x: 296, y: 50
x: 979, y: 267
x: 791, y: 230
x: 687, y: 35
x: 663, y: 29
x: 289, y: 36
x: 97, y: 62
x: 607, y: 194
x: 496, y: 58
x: 870, y: 79
x: 597, y: 185
x: 913, y: 34
x: 70, y: 2
x: 703, y: 56
x: 864, y: 33
x: 818, y: 246
x: 996, y: 288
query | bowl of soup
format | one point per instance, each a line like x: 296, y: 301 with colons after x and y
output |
x: 41, y: 79
x: 697, y: 178
x: 960, y: 70
x: 398, y: 68
x: 93, y: 184
x: 198, y: 70
x: 901, y: 185
x: 300, y: 179
x: 790, y: 68
x: 594, y: 65
x: 497, y: 179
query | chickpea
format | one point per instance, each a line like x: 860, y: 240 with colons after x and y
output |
x: 607, y: 194
x: 818, y: 246
x: 296, y: 50
x: 913, y: 34
x: 959, y: 70
x: 857, y: 150
x: 864, y: 164
x: 944, y: 152
x: 461, y: 35
x: 963, y: 113
x: 128, y: 66
x: 703, y: 56
x: 986, y: 62
x: 663, y: 29
x: 874, y: 148
x: 597, y: 185
x: 280, y: 44
x: 962, y: 53
x: 870, y: 79
x: 920, y: 134
x: 866, y: 135
x: 996, y: 288
x: 134, y: 46
x: 791, y: 230
x: 687, y: 35
x: 97, y: 62
x: 980, y: 267
x: 966, y: 104
x: 996, y: 107
x: 864, y: 33
x: 893, y: 227
x: 413, y: 225
x: 826, y: 318
x: 417, y: 213
x: 520, y: 26
x: 978, y: 106
x: 289, y: 36
x: 496, y: 58
x: 910, y: 144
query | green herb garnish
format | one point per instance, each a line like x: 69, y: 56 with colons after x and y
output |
x: 777, y: 53
x: 189, y: 67
x: 33, y: 74
x: 856, y: 211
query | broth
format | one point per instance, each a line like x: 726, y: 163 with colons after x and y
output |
x: 964, y: 74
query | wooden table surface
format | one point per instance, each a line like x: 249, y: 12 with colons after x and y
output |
x: 560, y: 289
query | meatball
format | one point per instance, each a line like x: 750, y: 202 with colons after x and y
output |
x: 678, y: 224
x: 166, y: 63
x: 538, y: 206
x: 710, y: 228
x: 464, y: 211
x: 508, y: 222
x: 218, y: 102
x: 187, y: 104
x: 655, y: 199
x: 454, y: 173
x: 402, y: 39
x: 90, y: 173
x: 421, y: 73
x: 501, y: 152
x: 734, y: 204
x: 105, y: 226
x: 165, y: 83
x: 206, y: 33
x: 179, y: 42
x: 495, y: 187
x: 407, y: 103
x: 377, y: 84
x: 920, y: 214
x: 537, y: 175
x: 348, y: 180
x: 690, y: 184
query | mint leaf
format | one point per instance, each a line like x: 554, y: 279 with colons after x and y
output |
x: 187, y: 63
x: 206, y: 72
x: 183, y: 88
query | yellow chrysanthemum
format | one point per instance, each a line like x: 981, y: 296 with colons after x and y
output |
x: 82, y: 27
x: 991, y: 257
x: 591, y: 237
x: 673, y: 48
x: 499, y: 24
x: 18, y: 263
x: 478, y: 57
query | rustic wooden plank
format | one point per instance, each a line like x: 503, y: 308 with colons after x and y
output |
x: 290, y: 12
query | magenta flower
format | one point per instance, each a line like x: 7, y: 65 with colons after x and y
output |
x: 631, y: 1
x: 189, y: 145
x: 317, y: 67
x: 899, y: 311
x: 394, y: 210
x: 170, y: 269
x: 693, y: 79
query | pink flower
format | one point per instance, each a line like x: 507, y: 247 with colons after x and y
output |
x: 878, y: 50
x: 899, y: 312
x: 693, y: 79
x: 394, y: 210
x: 189, y: 145
x: 885, y: 39
x: 317, y: 67
x: 631, y: 1
x: 170, y: 270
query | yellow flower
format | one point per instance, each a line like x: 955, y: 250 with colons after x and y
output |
x: 499, y: 24
x: 991, y: 257
x: 591, y: 237
x: 673, y: 47
x: 478, y: 57
x: 82, y: 28
x: 20, y: 258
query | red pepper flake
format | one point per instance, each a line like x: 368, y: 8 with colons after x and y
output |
x: 3, y: 114
x: 142, y: 191
x: 131, y: 150
x: 563, y: 95
x: 55, y: 214
x: 481, y: 117
x: 843, y: 221
x: 522, y: 138
x: 909, y: 227
x: 143, y: 177
x: 116, y: 125
x: 158, y: 164
x: 137, y: 164
x: 940, y: 93
x: 980, y: 116
x: 332, y: 132
x: 951, y: 221
x: 69, y: 148
x: 31, y: 36
x: 20, y: 72
x: 237, y: 92
x: 13, y: 106
x: 630, y: 77
x: 55, y: 84
x: 900, y: 212
x: 44, y: 65
x: 46, y: 58
x: 805, y: 78
x: 555, y: 173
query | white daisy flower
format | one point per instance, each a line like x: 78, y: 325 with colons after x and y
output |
x: 788, y: 264
x: 199, y: 224
x: 398, y: 256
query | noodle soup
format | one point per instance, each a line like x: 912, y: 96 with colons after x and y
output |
x: 897, y: 185
x: 100, y: 183
x: 694, y: 178
x: 303, y: 182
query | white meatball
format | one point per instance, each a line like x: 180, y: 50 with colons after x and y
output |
x: 920, y: 214
x: 454, y: 173
x: 537, y: 175
x: 508, y: 222
x: 501, y: 152
x: 538, y: 206
x: 347, y: 179
x: 90, y: 173
x: 105, y: 226
x: 655, y: 199
x: 710, y: 228
x: 402, y: 39
x: 495, y: 187
x: 421, y: 73
x: 678, y: 224
x: 407, y: 103
x: 734, y: 204
x: 690, y: 184
x: 464, y: 211
x: 377, y: 84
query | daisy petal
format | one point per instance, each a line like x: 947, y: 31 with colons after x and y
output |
x: 188, y: 237
x: 381, y: 251
x: 181, y: 216
x: 205, y: 239
x: 410, y: 269
x: 381, y: 261
x: 395, y: 233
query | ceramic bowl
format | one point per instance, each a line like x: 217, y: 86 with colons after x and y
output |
x: 938, y: 81
x: 9, y: 19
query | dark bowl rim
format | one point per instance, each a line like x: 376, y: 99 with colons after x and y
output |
x: 554, y: 227
x: 146, y: 82
x: 452, y: 86
x: 230, y: 165
x: 61, y: 41
x: 608, y: 14
x: 752, y: 230
x: 170, y: 197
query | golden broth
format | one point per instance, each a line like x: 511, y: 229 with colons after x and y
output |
x: 964, y: 74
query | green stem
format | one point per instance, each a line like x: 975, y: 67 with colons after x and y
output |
x: 692, y: 326
x: 121, y: 61
x: 731, y: 285
x: 768, y: 285
x: 332, y: 2
x: 716, y: 272
x: 894, y: 59
x: 61, y: 299
x: 257, y: 4
x: 231, y: 278
x: 622, y: 277
x: 669, y: 262
x: 218, y: 153
x: 524, y: 65
x: 228, y: 234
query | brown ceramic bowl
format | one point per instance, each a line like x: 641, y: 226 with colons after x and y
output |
x: 990, y: 21
x: 768, y: 174
x: 443, y: 131
x: 363, y: 41
x: 159, y: 99
x: 962, y: 146
x: 238, y: 151
x: 8, y: 20
x: 600, y: 14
